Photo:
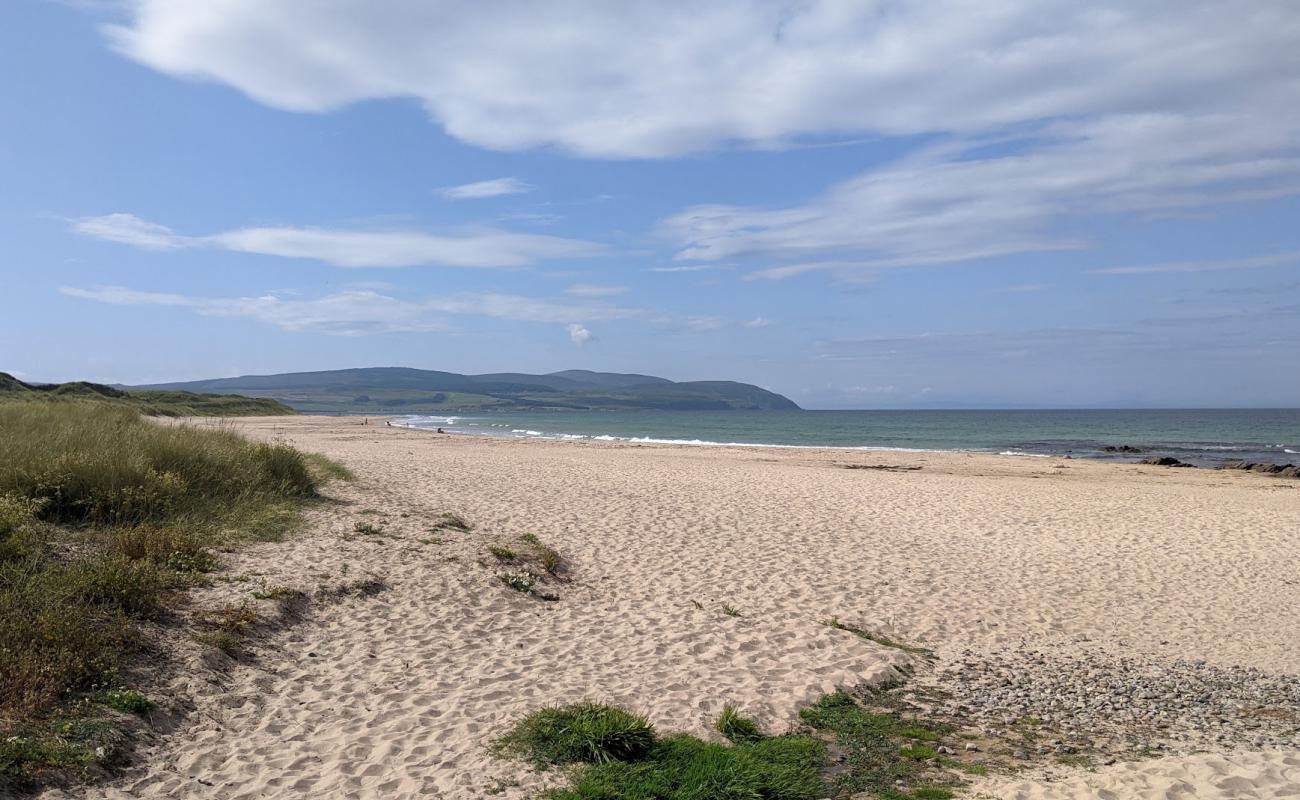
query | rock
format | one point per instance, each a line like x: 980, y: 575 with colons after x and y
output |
x: 1020, y: 754
x: 971, y: 747
x: 1123, y: 448
x: 1165, y: 461
x: 1280, y: 470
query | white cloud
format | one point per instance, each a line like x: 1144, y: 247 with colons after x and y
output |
x: 481, y: 189
x: 579, y: 335
x: 347, y: 313
x: 362, y: 312
x: 1255, y: 262
x: 758, y: 322
x: 594, y: 290
x: 130, y: 229
x: 660, y: 79
x: 953, y: 204
x: 480, y: 247
x: 686, y: 268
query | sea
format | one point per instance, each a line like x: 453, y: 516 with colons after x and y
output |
x: 1201, y: 437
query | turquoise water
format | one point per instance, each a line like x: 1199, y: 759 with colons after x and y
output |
x: 1203, y: 437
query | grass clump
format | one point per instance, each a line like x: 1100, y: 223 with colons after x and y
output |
x: 736, y: 728
x: 368, y: 528
x: 449, y: 520
x: 502, y: 553
x: 730, y: 610
x: 585, y: 732
x: 619, y: 756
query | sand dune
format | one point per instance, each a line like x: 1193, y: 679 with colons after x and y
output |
x: 397, y: 695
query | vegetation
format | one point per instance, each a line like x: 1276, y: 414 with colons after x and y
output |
x: 501, y: 553
x: 399, y: 390
x: 103, y: 517
x: 620, y: 757
x: 146, y: 401
x: 449, y: 520
x: 735, y: 728
x: 519, y: 580
x: 883, y: 753
x: 581, y: 733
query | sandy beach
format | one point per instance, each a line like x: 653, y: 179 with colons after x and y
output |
x: 398, y: 694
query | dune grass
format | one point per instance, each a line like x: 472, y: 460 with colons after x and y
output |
x: 104, y: 516
x: 152, y: 402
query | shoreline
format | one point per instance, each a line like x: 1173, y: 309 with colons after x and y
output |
x: 401, y: 692
x: 1203, y: 455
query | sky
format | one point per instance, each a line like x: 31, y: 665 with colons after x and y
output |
x: 871, y: 204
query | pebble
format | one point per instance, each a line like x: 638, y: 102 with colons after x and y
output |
x: 1095, y: 702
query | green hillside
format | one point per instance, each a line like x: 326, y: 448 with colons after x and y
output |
x: 153, y: 402
x: 401, y: 390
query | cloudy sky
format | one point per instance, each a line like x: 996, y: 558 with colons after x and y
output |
x: 858, y: 204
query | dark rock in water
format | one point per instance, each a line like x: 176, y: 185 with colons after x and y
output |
x: 1123, y: 448
x: 1165, y: 461
x: 1280, y: 470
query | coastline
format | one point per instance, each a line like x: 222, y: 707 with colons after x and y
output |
x: 1204, y: 438
x: 400, y: 693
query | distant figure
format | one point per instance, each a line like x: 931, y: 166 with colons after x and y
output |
x: 365, y: 420
x: 388, y: 423
x: 440, y: 430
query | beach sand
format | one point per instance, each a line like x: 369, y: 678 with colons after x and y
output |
x: 398, y: 694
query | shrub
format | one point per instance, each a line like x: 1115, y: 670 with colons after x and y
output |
x: 737, y: 728
x: 585, y: 732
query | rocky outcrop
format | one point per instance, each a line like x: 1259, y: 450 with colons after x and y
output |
x: 1122, y: 448
x: 1276, y: 470
x: 1165, y: 461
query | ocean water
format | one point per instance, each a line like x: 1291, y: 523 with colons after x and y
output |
x: 1204, y: 437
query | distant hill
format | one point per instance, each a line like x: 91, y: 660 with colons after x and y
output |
x: 402, y: 390
x: 151, y: 402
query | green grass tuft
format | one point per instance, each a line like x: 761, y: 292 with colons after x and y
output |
x: 581, y: 733
x: 735, y: 728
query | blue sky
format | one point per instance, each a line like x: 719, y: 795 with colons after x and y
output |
x: 865, y: 205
